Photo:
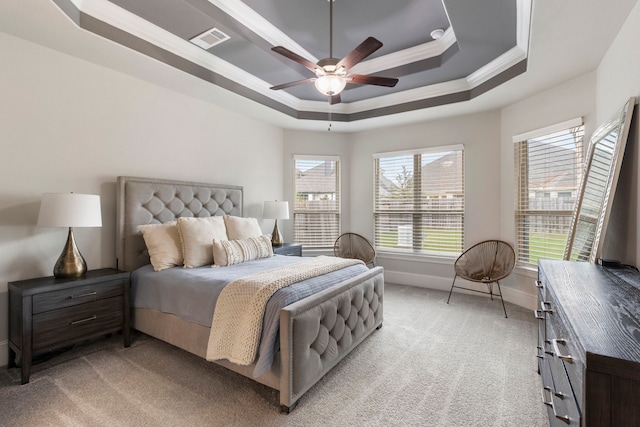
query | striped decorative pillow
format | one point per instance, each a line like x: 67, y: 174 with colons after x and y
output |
x: 229, y: 252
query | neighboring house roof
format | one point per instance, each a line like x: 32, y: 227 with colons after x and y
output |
x: 449, y: 170
x: 553, y: 176
x: 319, y: 179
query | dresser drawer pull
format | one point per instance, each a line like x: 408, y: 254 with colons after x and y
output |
x: 566, y: 358
x: 539, y: 284
x: 549, y: 403
x: 538, y: 314
x: 545, y: 307
x: 88, y: 294
x: 88, y: 319
x: 539, y: 352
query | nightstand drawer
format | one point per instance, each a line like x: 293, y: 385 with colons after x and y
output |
x: 73, y: 296
x: 48, y: 313
x: 288, y: 249
x: 60, y: 327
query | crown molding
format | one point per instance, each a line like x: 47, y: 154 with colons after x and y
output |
x: 136, y: 27
x: 260, y: 26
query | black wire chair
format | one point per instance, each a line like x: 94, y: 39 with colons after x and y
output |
x: 486, y: 262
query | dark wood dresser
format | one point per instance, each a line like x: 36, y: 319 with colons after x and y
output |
x: 589, y: 343
x: 47, y: 314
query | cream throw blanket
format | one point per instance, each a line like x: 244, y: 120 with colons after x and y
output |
x: 237, y: 320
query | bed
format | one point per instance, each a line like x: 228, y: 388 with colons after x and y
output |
x: 312, y: 334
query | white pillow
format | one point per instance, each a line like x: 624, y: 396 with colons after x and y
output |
x: 163, y: 244
x: 196, y: 235
x: 229, y: 252
x: 239, y: 228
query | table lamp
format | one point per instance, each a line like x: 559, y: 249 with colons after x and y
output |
x: 276, y: 210
x: 70, y: 210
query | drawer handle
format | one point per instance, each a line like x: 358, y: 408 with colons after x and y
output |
x: 549, y: 403
x: 539, y: 284
x: 88, y: 294
x: 539, y: 352
x: 566, y: 358
x: 88, y: 319
x: 538, y: 314
x: 543, y: 307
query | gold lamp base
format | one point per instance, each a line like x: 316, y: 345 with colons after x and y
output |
x: 70, y: 264
x: 276, y: 237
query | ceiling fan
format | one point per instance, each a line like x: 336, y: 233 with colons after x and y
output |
x: 332, y: 75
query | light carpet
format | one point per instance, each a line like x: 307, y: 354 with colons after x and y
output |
x: 431, y: 364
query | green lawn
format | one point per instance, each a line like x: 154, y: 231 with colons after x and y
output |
x: 434, y: 240
x: 550, y: 245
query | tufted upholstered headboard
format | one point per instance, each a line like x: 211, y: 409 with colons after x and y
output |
x: 154, y: 201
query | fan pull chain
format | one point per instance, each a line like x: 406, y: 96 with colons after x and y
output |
x: 329, y: 128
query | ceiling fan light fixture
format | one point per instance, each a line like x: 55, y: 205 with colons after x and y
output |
x: 330, y: 84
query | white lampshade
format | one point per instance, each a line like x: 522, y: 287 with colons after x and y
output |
x: 275, y: 210
x: 70, y: 210
x: 330, y: 84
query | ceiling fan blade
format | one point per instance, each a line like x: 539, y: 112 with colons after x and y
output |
x: 365, y: 49
x: 335, y: 99
x: 295, y: 57
x: 371, y: 80
x: 290, y: 84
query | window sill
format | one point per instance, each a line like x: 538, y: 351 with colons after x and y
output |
x: 448, y: 260
x: 527, y: 271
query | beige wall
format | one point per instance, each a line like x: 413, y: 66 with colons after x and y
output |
x: 68, y: 125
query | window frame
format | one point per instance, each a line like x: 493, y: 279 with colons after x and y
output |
x: 524, y: 214
x: 419, y: 215
x: 306, y: 242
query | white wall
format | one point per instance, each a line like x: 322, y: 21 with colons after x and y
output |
x: 318, y: 144
x: 575, y: 98
x: 618, y: 78
x: 69, y: 125
x: 480, y: 135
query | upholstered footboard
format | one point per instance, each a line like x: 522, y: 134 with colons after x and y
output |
x: 318, y: 332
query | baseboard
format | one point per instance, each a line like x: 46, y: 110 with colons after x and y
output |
x: 4, y: 354
x: 514, y: 296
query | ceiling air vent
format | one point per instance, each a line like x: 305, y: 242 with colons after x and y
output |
x: 209, y: 38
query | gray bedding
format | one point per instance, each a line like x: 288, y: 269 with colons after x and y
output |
x: 192, y: 293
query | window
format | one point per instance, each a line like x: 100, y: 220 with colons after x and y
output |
x: 419, y: 201
x: 548, y: 172
x: 316, y: 212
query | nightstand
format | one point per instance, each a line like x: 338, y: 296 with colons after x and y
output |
x: 47, y: 314
x: 289, y: 249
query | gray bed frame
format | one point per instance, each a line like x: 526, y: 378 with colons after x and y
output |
x: 304, y: 356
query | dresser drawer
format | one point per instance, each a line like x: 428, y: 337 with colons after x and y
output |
x: 592, y: 345
x: 564, y: 346
x: 61, y: 327
x: 564, y: 403
x: 73, y: 296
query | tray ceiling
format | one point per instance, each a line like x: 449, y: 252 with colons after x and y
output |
x: 485, y: 44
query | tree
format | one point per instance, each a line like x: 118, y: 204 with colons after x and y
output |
x: 404, y: 188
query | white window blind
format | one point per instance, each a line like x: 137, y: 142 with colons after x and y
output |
x: 548, y: 172
x: 316, y: 213
x: 419, y: 201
